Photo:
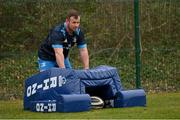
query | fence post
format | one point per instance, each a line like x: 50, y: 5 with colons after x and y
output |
x: 137, y: 43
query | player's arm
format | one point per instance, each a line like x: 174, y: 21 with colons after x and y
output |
x: 84, y: 57
x: 81, y: 44
x: 59, y: 57
x: 56, y: 38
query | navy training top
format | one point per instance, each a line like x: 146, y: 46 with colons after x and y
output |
x: 58, y: 37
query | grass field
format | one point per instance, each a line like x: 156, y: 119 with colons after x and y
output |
x: 160, y: 106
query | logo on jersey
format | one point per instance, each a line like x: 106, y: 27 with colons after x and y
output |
x: 65, y: 41
x: 74, y: 39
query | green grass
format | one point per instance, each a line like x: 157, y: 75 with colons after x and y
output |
x: 161, y: 106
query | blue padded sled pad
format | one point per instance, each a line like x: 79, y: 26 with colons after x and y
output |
x: 48, y: 85
x: 52, y: 83
x: 66, y: 103
x: 74, y: 103
x: 130, y: 98
x: 103, y: 79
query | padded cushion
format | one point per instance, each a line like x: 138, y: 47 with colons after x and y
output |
x: 130, y: 98
x: 66, y: 103
x: 74, y: 103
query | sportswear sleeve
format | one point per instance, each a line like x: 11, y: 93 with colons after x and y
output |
x: 81, y: 43
x: 56, y: 39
